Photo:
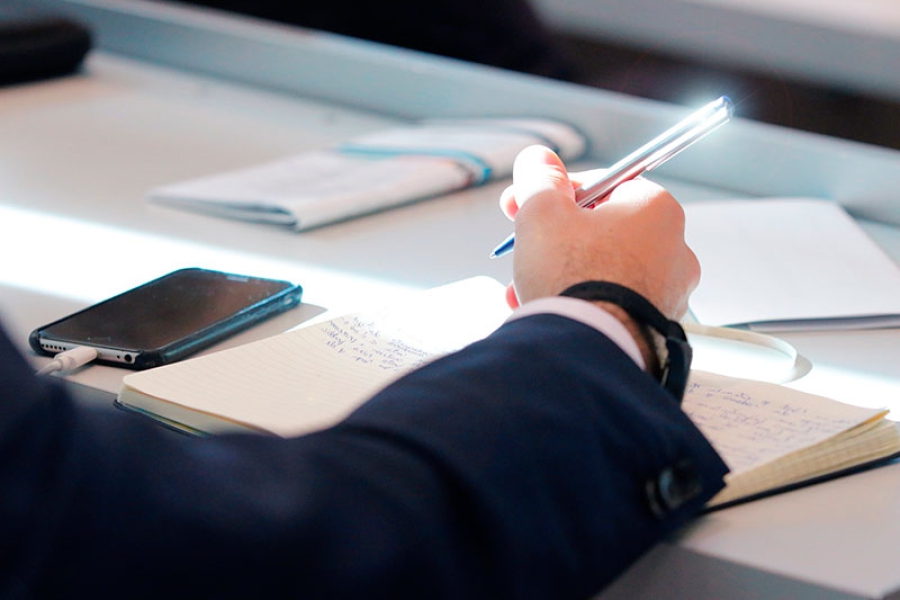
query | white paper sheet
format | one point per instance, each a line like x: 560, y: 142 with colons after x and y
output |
x: 789, y: 263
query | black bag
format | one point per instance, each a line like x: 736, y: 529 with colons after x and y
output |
x: 37, y: 45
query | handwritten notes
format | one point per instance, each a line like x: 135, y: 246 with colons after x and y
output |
x: 751, y: 423
x: 359, y: 340
x: 770, y: 436
x: 310, y: 378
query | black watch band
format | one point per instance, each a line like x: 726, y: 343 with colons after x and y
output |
x: 676, y: 365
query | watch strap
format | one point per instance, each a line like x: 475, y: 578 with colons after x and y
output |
x: 676, y: 364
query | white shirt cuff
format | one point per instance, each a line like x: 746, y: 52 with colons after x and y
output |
x: 584, y: 312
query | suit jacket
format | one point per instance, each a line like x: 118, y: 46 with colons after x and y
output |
x: 538, y: 463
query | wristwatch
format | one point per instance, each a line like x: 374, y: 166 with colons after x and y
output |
x: 675, y: 361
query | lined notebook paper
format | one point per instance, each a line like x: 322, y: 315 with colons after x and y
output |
x: 309, y: 378
x: 771, y: 436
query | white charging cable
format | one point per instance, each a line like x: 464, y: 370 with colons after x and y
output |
x: 69, y: 359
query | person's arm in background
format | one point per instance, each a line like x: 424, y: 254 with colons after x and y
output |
x: 537, y: 463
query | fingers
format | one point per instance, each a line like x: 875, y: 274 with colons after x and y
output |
x: 537, y: 172
x: 635, y: 237
x: 649, y: 204
x: 580, y: 177
x: 639, y: 191
x: 510, y: 207
x: 669, y: 268
x: 508, y: 203
x: 511, y: 298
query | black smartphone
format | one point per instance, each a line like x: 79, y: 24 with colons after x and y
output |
x: 168, y: 318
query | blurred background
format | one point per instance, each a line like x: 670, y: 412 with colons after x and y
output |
x: 827, y: 66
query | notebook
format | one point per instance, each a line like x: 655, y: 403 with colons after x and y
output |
x: 370, y: 173
x: 772, y: 437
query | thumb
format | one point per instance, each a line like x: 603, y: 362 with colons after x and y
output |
x: 538, y: 171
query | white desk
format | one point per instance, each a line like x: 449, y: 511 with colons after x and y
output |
x: 78, y: 154
x: 87, y: 148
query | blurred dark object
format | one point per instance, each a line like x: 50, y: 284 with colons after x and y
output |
x: 501, y: 33
x: 769, y: 96
x: 37, y: 45
x: 509, y: 34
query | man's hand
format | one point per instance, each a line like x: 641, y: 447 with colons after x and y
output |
x: 635, y: 237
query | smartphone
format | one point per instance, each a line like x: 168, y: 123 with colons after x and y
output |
x: 169, y: 318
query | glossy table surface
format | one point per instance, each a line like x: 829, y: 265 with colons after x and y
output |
x: 79, y: 153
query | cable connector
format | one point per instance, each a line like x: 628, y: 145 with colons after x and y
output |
x: 69, y: 359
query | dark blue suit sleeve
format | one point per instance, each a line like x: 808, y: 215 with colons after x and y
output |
x: 538, y: 463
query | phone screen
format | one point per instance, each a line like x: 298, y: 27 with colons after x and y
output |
x: 181, y: 311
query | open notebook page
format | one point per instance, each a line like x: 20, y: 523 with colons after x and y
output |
x: 311, y: 377
x: 770, y: 435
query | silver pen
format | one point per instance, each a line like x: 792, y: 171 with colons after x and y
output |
x: 647, y: 157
